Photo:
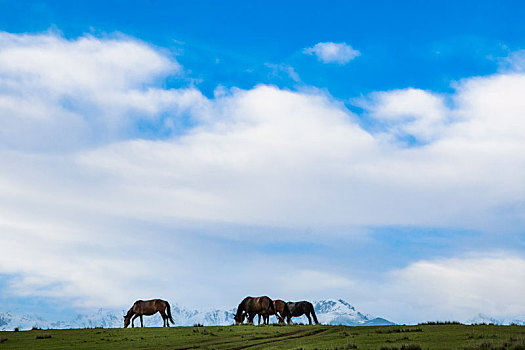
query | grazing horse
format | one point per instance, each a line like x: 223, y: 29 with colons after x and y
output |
x: 296, y: 309
x: 250, y: 307
x: 278, y: 306
x: 148, y: 308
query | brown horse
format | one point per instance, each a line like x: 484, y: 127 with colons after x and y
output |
x: 250, y: 307
x: 148, y: 308
x: 299, y: 308
x: 278, y: 306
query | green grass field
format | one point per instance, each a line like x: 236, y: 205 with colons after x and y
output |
x: 273, y: 337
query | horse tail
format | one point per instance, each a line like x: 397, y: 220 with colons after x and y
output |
x: 286, y: 310
x: 313, y: 313
x: 168, y: 311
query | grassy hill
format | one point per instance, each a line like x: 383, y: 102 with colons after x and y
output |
x: 449, y: 336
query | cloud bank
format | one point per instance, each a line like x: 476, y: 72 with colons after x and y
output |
x: 455, y: 289
x: 98, y: 155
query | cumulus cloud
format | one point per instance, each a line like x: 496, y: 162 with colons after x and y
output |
x: 329, y: 52
x: 80, y: 184
x: 417, y: 113
x: 456, y: 288
x: 57, y: 93
x: 305, y: 151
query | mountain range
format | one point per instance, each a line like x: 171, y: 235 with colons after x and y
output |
x: 482, y: 318
x: 332, y: 311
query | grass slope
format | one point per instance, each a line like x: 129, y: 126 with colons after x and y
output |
x: 273, y: 337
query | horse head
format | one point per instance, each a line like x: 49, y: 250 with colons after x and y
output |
x: 126, y: 321
x: 238, y: 319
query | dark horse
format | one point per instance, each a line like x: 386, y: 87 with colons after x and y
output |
x: 296, y: 309
x: 250, y: 307
x: 148, y: 308
x: 278, y: 306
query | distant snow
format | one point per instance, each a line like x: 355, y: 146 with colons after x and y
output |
x: 333, y: 312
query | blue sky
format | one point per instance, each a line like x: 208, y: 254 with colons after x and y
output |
x: 367, y: 151
x: 423, y: 44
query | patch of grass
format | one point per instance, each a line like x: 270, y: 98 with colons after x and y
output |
x: 43, y: 336
x: 348, y: 346
x: 436, y: 323
x: 443, y: 336
x: 394, y: 329
x: 513, y: 343
x: 403, y: 347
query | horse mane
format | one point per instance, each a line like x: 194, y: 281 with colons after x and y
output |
x: 130, y: 313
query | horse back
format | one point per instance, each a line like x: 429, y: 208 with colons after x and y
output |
x: 148, y: 307
x: 266, y: 304
x: 299, y: 308
x: 258, y: 304
x: 279, y: 305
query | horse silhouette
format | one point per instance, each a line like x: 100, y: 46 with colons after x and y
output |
x: 299, y: 308
x: 147, y: 308
x: 278, y: 306
x: 251, y: 306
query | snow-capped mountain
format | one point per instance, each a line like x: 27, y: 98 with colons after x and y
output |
x: 340, y: 312
x: 101, y: 318
x: 332, y: 312
x: 8, y: 321
x: 482, y: 318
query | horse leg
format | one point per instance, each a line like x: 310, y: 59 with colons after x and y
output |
x: 133, y: 320
x: 164, y: 318
x: 141, y: 322
x: 259, y: 320
x: 309, y: 318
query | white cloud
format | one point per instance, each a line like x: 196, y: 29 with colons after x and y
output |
x: 329, y: 52
x: 457, y: 288
x: 514, y: 62
x: 57, y: 93
x: 263, y: 156
x: 413, y: 112
x: 269, y: 156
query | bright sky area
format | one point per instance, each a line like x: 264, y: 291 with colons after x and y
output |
x: 202, y: 151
